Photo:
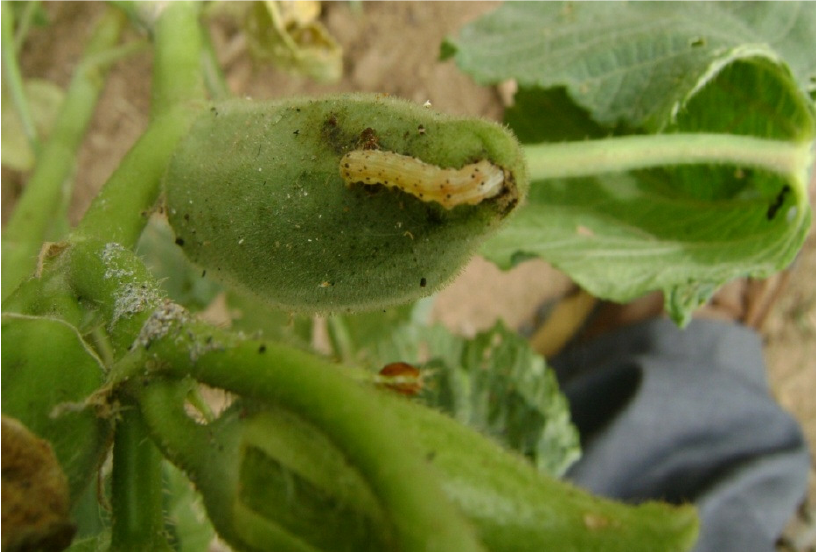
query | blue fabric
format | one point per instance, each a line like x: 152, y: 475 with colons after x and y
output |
x: 686, y: 416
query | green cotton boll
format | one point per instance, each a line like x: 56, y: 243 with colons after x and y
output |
x: 257, y: 196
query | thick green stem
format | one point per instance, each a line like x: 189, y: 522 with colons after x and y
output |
x: 120, y: 211
x: 177, y: 78
x: 39, y: 206
x: 138, y: 521
x: 626, y: 153
x: 407, y: 487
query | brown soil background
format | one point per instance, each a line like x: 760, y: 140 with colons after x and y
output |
x: 393, y: 48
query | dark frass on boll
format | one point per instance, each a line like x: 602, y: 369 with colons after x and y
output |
x: 342, y: 203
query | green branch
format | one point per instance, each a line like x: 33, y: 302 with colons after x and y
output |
x: 627, y: 153
x: 45, y: 192
x: 177, y: 78
x: 120, y: 211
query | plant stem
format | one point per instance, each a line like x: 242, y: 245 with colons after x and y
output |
x: 177, y: 78
x: 213, y: 74
x: 626, y: 153
x: 14, y: 79
x: 421, y: 515
x: 138, y: 521
x: 39, y: 207
x: 119, y: 212
x: 28, y: 14
x: 121, y: 209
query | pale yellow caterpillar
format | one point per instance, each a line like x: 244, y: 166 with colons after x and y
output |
x: 449, y: 187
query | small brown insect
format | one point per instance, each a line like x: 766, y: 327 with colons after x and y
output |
x: 401, y: 377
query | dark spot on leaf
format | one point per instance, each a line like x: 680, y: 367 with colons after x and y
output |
x: 262, y: 348
x: 423, y: 282
x: 180, y: 242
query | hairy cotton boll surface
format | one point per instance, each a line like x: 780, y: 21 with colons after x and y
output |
x: 257, y: 193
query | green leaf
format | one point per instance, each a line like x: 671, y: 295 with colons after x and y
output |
x: 503, y: 389
x: 565, y: 120
x: 685, y: 230
x: 612, y: 69
x: 48, y: 373
x: 633, y: 62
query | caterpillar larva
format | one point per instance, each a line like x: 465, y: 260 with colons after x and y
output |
x: 469, y: 185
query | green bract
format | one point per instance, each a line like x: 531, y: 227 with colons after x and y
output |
x: 255, y: 195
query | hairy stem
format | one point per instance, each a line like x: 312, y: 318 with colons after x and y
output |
x: 39, y: 207
x: 626, y: 153
x: 138, y: 521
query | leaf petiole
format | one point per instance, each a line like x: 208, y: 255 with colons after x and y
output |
x: 627, y: 153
